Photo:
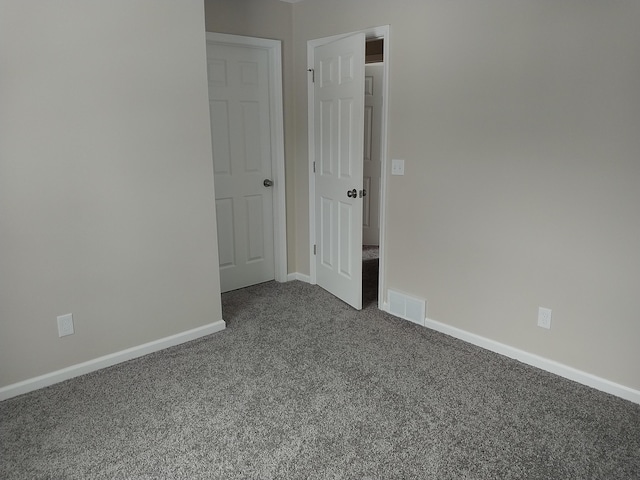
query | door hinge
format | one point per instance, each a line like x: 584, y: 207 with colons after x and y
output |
x: 313, y: 74
x: 314, y: 167
x: 314, y: 249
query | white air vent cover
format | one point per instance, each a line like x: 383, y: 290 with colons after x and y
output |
x: 407, y: 307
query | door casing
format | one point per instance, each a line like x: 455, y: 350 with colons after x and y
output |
x: 274, y: 49
x: 370, y: 33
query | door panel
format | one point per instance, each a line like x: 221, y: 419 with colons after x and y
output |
x: 226, y: 239
x: 242, y: 157
x: 339, y: 127
x: 219, y: 115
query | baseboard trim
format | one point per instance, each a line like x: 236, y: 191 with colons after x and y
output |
x: 67, y: 373
x: 298, y: 276
x: 537, y: 361
x: 551, y: 366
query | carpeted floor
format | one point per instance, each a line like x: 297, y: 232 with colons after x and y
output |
x: 370, y: 252
x: 300, y: 386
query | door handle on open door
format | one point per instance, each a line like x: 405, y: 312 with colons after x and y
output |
x: 352, y: 193
x: 267, y: 182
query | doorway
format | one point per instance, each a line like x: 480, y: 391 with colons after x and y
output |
x: 380, y: 33
x: 245, y: 105
x: 372, y: 168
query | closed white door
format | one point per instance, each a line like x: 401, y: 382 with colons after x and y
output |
x: 339, y: 140
x: 372, y: 164
x: 241, y: 138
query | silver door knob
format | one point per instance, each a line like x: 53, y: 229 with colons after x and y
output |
x: 267, y: 182
x: 352, y: 193
x: 363, y: 193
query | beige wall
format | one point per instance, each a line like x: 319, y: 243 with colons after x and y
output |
x: 266, y: 19
x: 106, y: 180
x: 519, y: 123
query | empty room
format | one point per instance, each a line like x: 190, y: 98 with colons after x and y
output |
x: 320, y: 239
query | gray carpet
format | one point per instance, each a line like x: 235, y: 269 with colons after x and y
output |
x: 370, y: 252
x: 300, y: 386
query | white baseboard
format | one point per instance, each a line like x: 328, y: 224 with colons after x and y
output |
x: 298, y: 276
x: 537, y: 361
x: 45, y: 380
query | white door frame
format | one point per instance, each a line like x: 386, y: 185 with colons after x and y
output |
x: 274, y: 50
x: 373, y: 32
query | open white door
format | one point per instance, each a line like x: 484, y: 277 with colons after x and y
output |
x: 339, y: 140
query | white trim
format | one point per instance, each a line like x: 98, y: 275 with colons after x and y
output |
x: 45, y: 380
x: 274, y: 50
x: 299, y: 276
x: 374, y: 32
x: 384, y: 132
x: 311, y: 139
x: 537, y: 361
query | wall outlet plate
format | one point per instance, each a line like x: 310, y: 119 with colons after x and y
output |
x: 544, y: 317
x: 397, y: 167
x: 65, y: 325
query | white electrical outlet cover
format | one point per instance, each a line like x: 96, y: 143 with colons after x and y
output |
x: 65, y: 325
x: 397, y: 167
x: 544, y: 317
